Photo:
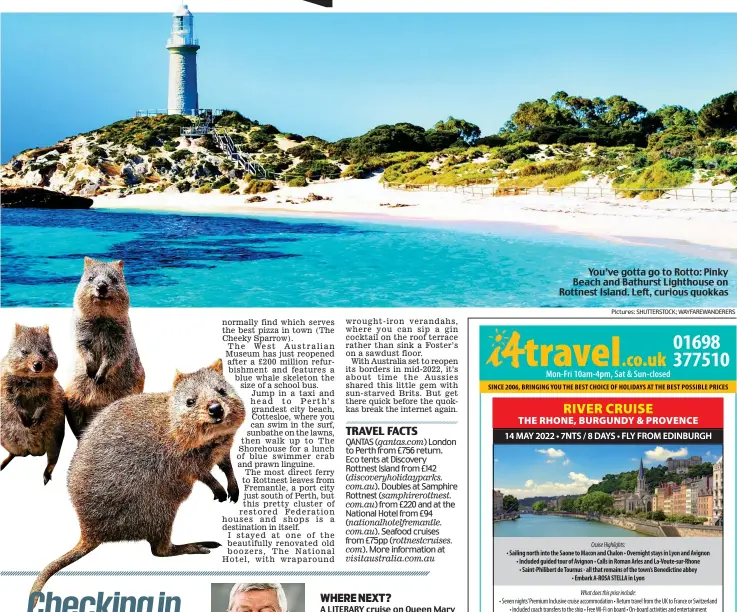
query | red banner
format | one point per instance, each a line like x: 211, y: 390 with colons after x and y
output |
x: 604, y: 413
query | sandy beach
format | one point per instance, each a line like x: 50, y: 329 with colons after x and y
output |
x: 699, y: 222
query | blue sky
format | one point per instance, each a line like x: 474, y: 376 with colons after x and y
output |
x: 339, y: 75
x: 528, y: 471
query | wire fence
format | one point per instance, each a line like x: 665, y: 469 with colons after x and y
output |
x: 484, y: 191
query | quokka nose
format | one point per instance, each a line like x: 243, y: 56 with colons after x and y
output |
x: 215, y: 410
x: 102, y: 288
x: 37, y: 366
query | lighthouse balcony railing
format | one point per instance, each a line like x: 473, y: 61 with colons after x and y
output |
x: 182, y: 41
x: 153, y: 112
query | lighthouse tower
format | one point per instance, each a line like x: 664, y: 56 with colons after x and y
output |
x: 183, y: 47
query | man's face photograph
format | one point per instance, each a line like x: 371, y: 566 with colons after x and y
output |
x: 256, y: 601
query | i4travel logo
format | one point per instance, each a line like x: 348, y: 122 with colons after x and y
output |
x: 512, y: 348
x: 543, y: 352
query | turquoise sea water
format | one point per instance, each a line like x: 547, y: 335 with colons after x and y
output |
x: 177, y: 260
x: 542, y: 526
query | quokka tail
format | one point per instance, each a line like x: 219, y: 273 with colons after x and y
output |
x: 80, y: 550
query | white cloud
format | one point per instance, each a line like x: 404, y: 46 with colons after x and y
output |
x: 551, y: 452
x: 659, y: 454
x: 566, y: 461
x: 578, y: 484
x: 709, y: 454
x: 550, y: 461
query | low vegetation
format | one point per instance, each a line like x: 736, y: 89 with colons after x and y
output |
x: 547, y: 143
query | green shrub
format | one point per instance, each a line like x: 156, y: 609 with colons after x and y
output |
x: 492, y: 141
x: 316, y: 169
x: 721, y: 147
x: 297, y: 181
x: 564, y: 180
x: 549, y: 167
x: 271, y: 148
x: 657, y: 177
x: 229, y: 188
x: 469, y: 173
x: 219, y: 182
x: 275, y: 164
x: 234, y: 119
x: 357, y: 171
x: 396, y: 172
x: 729, y: 167
x: 260, y: 186
x: 706, y: 163
x: 181, y: 154
x: 98, y: 151
x: 170, y: 146
x: 511, y: 153
x: 672, y: 137
x: 317, y: 142
x: 294, y: 137
x: 640, y: 161
x: 161, y: 164
x: 206, y: 188
x: 677, y: 164
x: 259, y: 139
x: 306, y: 153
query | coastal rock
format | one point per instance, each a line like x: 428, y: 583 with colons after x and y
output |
x: 34, y: 197
x: 314, y: 197
x: 88, y: 190
x: 129, y: 175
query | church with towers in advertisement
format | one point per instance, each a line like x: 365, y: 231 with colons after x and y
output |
x: 640, y: 500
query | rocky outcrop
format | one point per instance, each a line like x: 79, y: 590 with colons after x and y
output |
x: 35, y: 197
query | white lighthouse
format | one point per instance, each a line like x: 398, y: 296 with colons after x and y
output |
x: 183, y: 47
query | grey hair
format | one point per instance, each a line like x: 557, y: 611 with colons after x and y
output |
x: 244, y: 587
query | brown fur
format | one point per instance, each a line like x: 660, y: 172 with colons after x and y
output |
x: 139, y: 459
x: 108, y: 367
x: 32, y: 402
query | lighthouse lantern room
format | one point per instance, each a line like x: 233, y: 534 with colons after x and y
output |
x: 183, y: 47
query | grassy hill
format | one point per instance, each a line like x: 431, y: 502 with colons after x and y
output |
x: 566, y: 140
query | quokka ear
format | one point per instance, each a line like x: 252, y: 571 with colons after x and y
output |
x: 118, y: 264
x: 45, y: 328
x: 88, y: 261
x: 217, y: 367
x: 178, y: 377
x: 18, y: 329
